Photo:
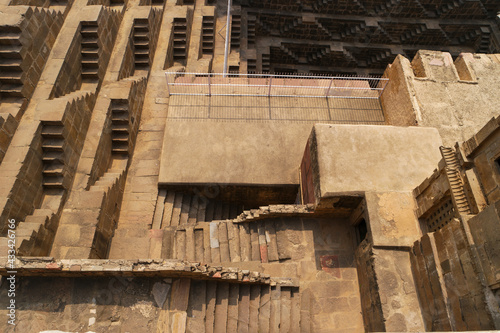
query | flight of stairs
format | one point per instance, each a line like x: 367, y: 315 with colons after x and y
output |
x: 180, y: 209
x: 223, y: 242
x: 289, y: 52
x: 141, y: 44
x: 216, y: 307
x: 120, y: 126
x: 295, y: 22
x: 90, y: 52
x: 484, y: 42
x: 11, y: 83
x: 235, y: 32
x: 449, y: 6
x: 266, y: 63
x: 379, y: 57
x: 319, y: 54
x: 107, y: 180
x: 251, y: 65
x: 53, y: 155
x: 251, y: 31
x: 33, y: 235
x: 207, y: 35
x: 456, y: 182
x: 180, y: 38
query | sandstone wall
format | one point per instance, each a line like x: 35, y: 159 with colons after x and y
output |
x: 484, y: 149
x: 25, y: 56
x: 8, y: 126
x: 450, y: 292
x: 368, y: 287
x: 484, y: 230
x: 70, y: 77
x: 432, y: 90
x: 26, y: 189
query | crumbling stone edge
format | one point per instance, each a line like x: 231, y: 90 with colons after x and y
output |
x: 48, y: 266
x: 270, y: 211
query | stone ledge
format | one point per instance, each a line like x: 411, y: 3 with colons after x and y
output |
x: 48, y: 266
x: 266, y: 212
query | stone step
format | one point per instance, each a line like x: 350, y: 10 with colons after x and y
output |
x: 28, y: 229
x: 53, y: 170
x: 53, y: 181
x: 53, y: 157
x: 10, y: 39
x: 123, y: 137
x: 52, y: 146
x: 120, y: 128
x: 55, y: 132
x: 11, y: 90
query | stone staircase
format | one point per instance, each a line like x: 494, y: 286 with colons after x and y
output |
x: 381, y: 56
x: 86, y: 233
x: 484, y: 43
x: 11, y: 82
x: 353, y: 29
x: 251, y: 31
x: 215, y: 307
x: 295, y: 22
x: 120, y: 126
x: 141, y: 44
x: 173, y: 210
x: 180, y: 38
x: 90, y: 52
x: 225, y: 241
x: 207, y: 35
x: 251, y: 65
x: 106, y: 181
x: 449, y: 6
x: 180, y: 209
x: 320, y: 54
x: 456, y: 182
x: 266, y: 62
x: 33, y: 236
x: 235, y: 32
x: 289, y: 52
x: 324, y: 29
x: 53, y: 155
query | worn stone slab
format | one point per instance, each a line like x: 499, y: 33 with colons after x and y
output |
x: 275, y: 150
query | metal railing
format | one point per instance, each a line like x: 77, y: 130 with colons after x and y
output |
x: 274, y: 85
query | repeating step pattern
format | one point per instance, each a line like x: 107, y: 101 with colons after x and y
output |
x: 223, y: 242
x: 266, y: 63
x: 207, y: 35
x: 235, y: 32
x: 485, y: 41
x: 90, y: 52
x: 251, y: 32
x: 456, y: 182
x: 231, y: 307
x: 141, y: 44
x: 33, y: 235
x: 106, y: 181
x: 53, y: 155
x: 178, y: 209
x: 11, y: 73
x: 180, y: 39
x: 120, y: 127
x: 251, y: 66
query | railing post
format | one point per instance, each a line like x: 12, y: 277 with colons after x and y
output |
x: 270, y: 85
x: 209, y: 86
x: 328, y: 90
x: 168, y: 85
